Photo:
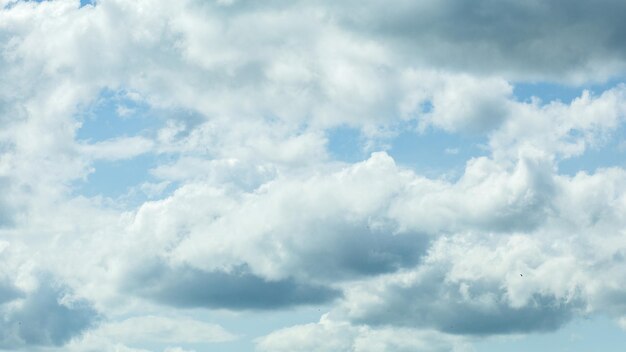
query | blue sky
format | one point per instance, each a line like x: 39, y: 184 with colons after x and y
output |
x: 312, y: 176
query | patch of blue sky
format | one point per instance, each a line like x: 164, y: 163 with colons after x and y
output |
x: 115, y: 178
x: 121, y: 182
x: 433, y: 153
x: 597, y: 334
x: 115, y: 114
x: 346, y: 144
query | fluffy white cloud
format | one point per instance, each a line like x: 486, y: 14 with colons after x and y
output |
x: 502, y: 246
x: 559, y: 129
x: 210, y: 247
x: 536, y: 278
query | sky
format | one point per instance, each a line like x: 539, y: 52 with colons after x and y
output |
x: 241, y: 175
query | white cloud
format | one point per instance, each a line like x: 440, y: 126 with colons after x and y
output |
x: 117, y: 148
x: 482, y: 282
x: 170, y: 330
x: 560, y: 129
x: 457, y: 102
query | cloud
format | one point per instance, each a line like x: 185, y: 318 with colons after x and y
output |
x: 47, y: 316
x: 533, y: 279
x: 406, y: 237
x: 7, y: 205
x: 118, y: 148
x: 328, y: 335
x: 574, y: 40
x: 487, y: 197
x: 386, y: 230
x: 474, y: 307
x: 282, y: 229
x: 118, y: 335
x: 458, y: 102
x: 343, y: 75
x: 8, y: 292
x: 238, y: 289
x: 176, y: 349
x: 163, y: 329
x: 559, y: 129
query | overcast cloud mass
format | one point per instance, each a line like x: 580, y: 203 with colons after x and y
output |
x: 240, y: 175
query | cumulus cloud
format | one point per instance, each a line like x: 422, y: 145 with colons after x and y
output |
x: 559, y: 129
x: 482, y: 303
x: 508, y: 274
x: 490, y: 283
x: 289, y: 224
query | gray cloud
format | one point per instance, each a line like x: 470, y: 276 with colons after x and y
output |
x: 188, y: 287
x: 6, y: 206
x: 434, y: 303
x: 357, y: 251
x: 43, y: 317
x: 533, y: 39
x: 481, y: 285
x: 8, y: 292
x: 555, y: 39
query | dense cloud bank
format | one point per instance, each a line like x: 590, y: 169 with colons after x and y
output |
x: 224, y: 114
